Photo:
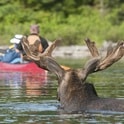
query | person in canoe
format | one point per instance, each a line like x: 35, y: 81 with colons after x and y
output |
x: 12, y: 55
x: 36, y: 42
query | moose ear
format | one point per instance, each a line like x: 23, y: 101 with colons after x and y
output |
x: 91, y: 65
x: 52, y: 66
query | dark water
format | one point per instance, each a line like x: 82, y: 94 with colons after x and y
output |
x: 28, y: 98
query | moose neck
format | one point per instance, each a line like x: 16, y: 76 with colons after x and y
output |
x: 73, y: 93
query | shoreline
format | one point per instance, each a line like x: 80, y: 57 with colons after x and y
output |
x: 73, y: 51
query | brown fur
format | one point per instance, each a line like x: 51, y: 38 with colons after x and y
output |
x: 74, y: 93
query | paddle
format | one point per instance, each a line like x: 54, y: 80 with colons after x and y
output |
x: 65, y: 67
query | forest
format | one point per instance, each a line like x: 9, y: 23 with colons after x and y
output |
x: 71, y: 20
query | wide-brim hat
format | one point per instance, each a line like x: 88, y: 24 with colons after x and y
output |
x: 17, y: 38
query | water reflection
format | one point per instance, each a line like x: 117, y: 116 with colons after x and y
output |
x: 11, y: 79
x: 34, y: 84
x: 28, y: 98
x: 16, y: 81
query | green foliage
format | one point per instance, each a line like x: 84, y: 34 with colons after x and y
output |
x: 115, y: 33
x: 73, y: 21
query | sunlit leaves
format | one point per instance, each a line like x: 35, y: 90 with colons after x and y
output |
x: 72, y: 20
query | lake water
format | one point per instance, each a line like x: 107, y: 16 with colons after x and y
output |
x: 28, y: 98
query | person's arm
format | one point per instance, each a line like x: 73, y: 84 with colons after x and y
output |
x: 44, y: 43
x: 20, y: 48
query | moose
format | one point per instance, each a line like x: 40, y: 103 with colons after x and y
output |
x: 75, y: 94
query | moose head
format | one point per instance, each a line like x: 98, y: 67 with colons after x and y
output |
x: 74, y: 92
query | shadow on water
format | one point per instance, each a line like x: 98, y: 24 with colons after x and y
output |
x: 28, y: 98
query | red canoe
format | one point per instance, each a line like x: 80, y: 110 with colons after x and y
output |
x: 26, y: 67
x: 28, y: 71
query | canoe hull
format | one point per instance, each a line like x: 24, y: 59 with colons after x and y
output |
x: 28, y: 72
x: 26, y: 67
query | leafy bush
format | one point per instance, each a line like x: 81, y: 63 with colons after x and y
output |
x: 73, y: 25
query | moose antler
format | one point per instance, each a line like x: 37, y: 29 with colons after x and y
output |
x: 44, y: 60
x: 92, y: 48
x: 97, y: 64
x: 74, y: 93
x: 32, y: 55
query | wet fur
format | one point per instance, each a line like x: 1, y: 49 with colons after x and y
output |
x: 75, y: 96
x: 74, y: 93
